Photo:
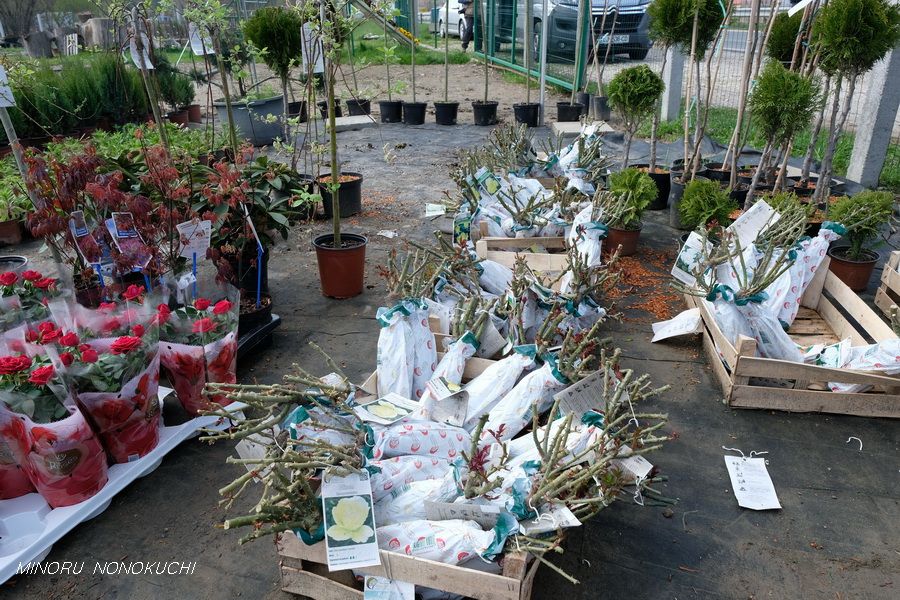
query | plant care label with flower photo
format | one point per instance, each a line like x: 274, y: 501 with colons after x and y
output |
x: 451, y: 401
x: 6, y: 96
x: 194, y: 237
x: 386, y: 410
x: 349, y: 521
x: 758, y: 217
x: 751, y: 483
x: 382, y: 588
x: 687, y: 260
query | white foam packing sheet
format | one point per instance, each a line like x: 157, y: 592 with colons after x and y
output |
x: 29, y: 527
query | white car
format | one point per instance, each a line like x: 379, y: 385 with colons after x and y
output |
x: 454, y: 22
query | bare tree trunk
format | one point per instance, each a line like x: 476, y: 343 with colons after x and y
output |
x: 828, y: 164
x: 761, y: 167
x: 742, y: 95
x: 629, y: 135
x: 654, y: 128
x: 816, y: 130
x: 690, y: 88
x: 761, y: 50
x: 782, y: 172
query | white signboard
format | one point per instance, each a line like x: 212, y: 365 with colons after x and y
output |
x: 201, y: 45
x: 6, y: 96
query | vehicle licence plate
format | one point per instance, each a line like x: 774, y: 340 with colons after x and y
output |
x: 616, y: 39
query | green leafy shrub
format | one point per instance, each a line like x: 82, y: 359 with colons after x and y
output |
x: 783, y: 36
x: 121, y: 88
x: 79, y: 84
x: 14, y: 202
x: 852, y: 35
x: 634, y: 92
x: 277, y: 33
x: 863, y: 215
x: 671, y: 21
x: 782, y: 102
x: 634, y: 190
x: 705, y: 203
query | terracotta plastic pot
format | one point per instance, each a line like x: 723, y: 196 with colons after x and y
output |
x: 179, y: 117
x: 626, y: 238
x: 485, y: 112
x: 527, y: 113
x: 342, y: 270
x: 445, y: 113
x: 567, y: 112
x: 855, y: 273
x: 194, y: 115
x: 391, y: 111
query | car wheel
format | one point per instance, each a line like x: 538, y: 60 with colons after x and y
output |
x: 639, y: 54
x: 461, y: 28
x: 442, y: 31
x: 536, y: 41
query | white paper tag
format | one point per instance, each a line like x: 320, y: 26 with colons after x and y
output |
x: 637, y: 467
x: 553, y: 517
x: 755, y: 219
x: 688, y: 259
x: 349, y: 521
x: 382, y: 588
x: 583, y: 395
x: 194, y: 236
x: 435, y: 210
x: 386, y: 410
x: 485, y: 515
x: 491, y: 341
x: 451, y: 402
x: 751, y: 483
x: 684, y: 323
x: 6, y: 96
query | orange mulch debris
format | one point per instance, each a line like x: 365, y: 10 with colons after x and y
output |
x: 644, y: 283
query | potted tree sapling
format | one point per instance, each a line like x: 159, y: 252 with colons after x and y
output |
x: 277, y: 33
x: 485, y: 111
x: 705, y: 204
x: 782, y: 102
x: 445, y: 112
x: 850, y: 36
x: 571, y: 110
x: 341, y: 256
x: 527, y: 112
x: 634, y: 93
x: 783, y: 37
x: 630, y: 192
x: 413, y: 112
x: 391, y: 110
x: 863, y: 216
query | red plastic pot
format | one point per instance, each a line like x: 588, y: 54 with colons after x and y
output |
x: 855, y: 273
x: 627, y: 238
x: 342, y: 271
x: 194, y: 115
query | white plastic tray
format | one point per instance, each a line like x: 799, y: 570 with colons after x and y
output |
x: 29, y: 527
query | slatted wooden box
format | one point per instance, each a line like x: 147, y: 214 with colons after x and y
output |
x: 888, y: 293
x: 829, y: 312
x: 304, y: 572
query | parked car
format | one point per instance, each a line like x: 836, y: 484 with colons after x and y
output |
x: 454, y: 22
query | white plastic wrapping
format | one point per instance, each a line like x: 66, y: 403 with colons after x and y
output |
x: 451, y: 367
x: 757, y: 322
x: 424, y: 348
x: 883, y: 357
x: 486, y: 390
x: 392, y: 473
x: 450, y: 542
x: 396, y: 352
x: 407, y: 502
x: 421, y: 438
x: 494, y: 277
x: 514, y: 411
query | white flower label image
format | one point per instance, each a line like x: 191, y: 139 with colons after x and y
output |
x: 347, y: 507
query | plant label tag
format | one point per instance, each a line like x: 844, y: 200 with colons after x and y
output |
x: 6, y: 96
x: 386, y: 410
x: 688, y: 259
x: 194, y: 237
x: 201, y: 45
x: 485, y: 515
x: 758, y: 217
x: 254, y: 448
x: 349, y: 515
x: 451, y: 402
x: 582, y: 396
x: 382, y: 588
x: 751, y: 483
x: 636, y: 467
x: 684, y: 323
x: 491, y: 341
x: 487, y: 181
x: 552, y: 518
x: 434, y: 210
x: 125, y: 236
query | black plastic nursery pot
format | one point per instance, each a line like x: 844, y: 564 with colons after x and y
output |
x: 485, y: 112
x: 357, y: 107
x: 567, y: 112
x: 349, y: 194
x: 661, y: 178
x: 584, y: 99
x: 323, y: 108
x: 739, y: 194
x: 600, y: 105
x: 342, y: 270
x: 414, y: 113
x: 445, y: 112
x: 298, y: 110
x: 252, y: 316
x: 527, y: 113
x: 391, y: 111
x: 12, y: 262
x: 718, y: 171
x: 676, y: 192
x: 248, y: 270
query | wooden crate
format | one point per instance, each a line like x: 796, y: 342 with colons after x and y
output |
x: 505, y: 251
x: 888, y: 293
x: 829, y: 312
x: 304, y: 571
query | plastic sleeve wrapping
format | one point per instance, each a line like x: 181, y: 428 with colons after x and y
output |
x: 486, y: 390
x: 407, y: 502
x: 391, y: 473
x: 396, y: 353
x: 424, y: 349
x: 514, y: 411
x: 451, y: 542
x: 422, y: 438
x: 14, y: 445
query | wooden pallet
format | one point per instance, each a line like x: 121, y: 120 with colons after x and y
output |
x: 304, y: 572
x: 888, y: 294
x: 830, y: 312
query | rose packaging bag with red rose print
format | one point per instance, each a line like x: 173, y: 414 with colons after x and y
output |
x: 198, y: 342
x: 14, y: 444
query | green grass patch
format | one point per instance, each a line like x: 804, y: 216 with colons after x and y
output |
x: 371, y: 50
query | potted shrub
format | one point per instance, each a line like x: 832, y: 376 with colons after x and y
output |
x: 630, y: 192
x: 277, y: 33
x: 634, y: 93
x: 863, y: 216
x: 485, y: 111
x: 783, y: 37
x: 14, y: 204
x: 527, y: 112
x: 341, y: 257
x: 850, y: 37
x: 183, y: 96
x: 81, y: 86
x: 445, y: 112
x: 705, y: 204
x: 413, y: 112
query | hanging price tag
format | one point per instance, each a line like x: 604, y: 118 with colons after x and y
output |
x: 194, y: 237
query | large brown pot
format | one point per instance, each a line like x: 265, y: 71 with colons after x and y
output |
x: 855, y: 273
x: 627, y: 238
x: 194, y: 114
x: 179, y: 117
x: 11, y: 232
x: 341, y: 270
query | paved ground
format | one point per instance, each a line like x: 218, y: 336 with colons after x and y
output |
x: 837, y: 537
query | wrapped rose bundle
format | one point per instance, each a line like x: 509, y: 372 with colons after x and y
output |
x: 14, y: 480
x: 452, y: 542
x: 116, y: 379
x: 407, y: 353
x: 389, y: 474
x: 199, y: 345
x: 421, y: 438
x: 32, y: 292
x: 47, y: 436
